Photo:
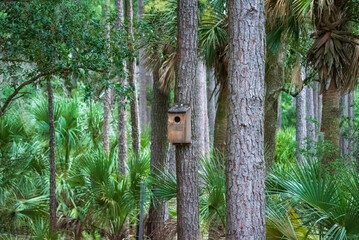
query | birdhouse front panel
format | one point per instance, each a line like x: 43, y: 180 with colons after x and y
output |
x: 179, y: 125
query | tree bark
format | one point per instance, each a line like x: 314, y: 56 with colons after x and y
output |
x: 142, y: 72
x: 245, y: 165
x: 300, y: 127
x: 201, y: 96
x: 220, y: 126
x: 310, y: 116
x: 106, y: 120
x: 211, y: 103
x: 53, y: 203
x: 316, y: 107
x: 187, y: 154
x: 158, y: 212
x: 274, y: 84
x: 122, y: 112
x: 330, y: 120
x: 351, y: 118
x: 131, y: 64
x: 343, y: 109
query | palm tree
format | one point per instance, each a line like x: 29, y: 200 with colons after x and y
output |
x: 333, y: 54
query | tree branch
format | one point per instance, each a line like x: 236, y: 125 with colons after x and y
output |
x: 17, y: 90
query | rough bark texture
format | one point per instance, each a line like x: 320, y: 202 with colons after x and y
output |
x: 158, y: 212
x: 316, y: 108
x: 106, y: 120
x: 142, y: 74
x: 245, y: 165
x: 187, y: 154
x: 310, y: 116
x: 274, y: 84
x: 122, y: 112
x: 131, y: 64
x: 211, y: 103
x: 53, y: 203
x: 330, y: 119
x: 220, y: 126
x: 201, y: 96
x: 300, y: 127
x: 279, y: 118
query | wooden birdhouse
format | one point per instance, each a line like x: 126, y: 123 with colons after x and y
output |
x: 179, y: 124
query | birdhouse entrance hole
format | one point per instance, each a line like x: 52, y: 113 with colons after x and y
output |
x: 177, y: 119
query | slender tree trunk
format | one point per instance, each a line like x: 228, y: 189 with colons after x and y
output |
x: 107, y: 100
x: 330, y: 120
x: 351, y: 118
x: 316, y: 108
x: 135, y: 121
x: 201, y: 96
x: 187, y: 154
x: 310, y: 118
x: 106, y: 120
x: 158, y: 212
x: 245, y: 165
x: 122, y: 112
x: 142, y: 73
x: 274, y: 85
x: 211, y: 103
x: 343, y: 109
x: 300, y: 127
x: 279, y: 118
x: 53, y: 203
x: 220, y: 126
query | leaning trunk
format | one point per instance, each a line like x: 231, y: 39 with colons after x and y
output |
x: 131, y: 64
x: 330, y: 121
x: 53, y: 204
x: 187, y: 154
x: 158, y: 212
x: 245, y: 165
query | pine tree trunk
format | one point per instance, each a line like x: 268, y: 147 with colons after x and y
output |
x: 211, y: 103
x: 142, y: 73
x: 274, y: 84
x: 158, y: 212
x: 330, y: 120
x: 122, y: 112
x: 279, y: 120
x: 300, y: 127
x: 310, y: 117
x: 106, y: 120
x: 220, y: 126
x: 187, y: 155
x: 201, y: 97
x: 131, y: 64
x: 53, y: 203
x: 316, y: 108
x: 245, y: 165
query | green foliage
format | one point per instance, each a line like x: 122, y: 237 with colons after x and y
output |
x: 286, y: 147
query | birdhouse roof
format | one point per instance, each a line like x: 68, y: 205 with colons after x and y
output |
x: 179, y: 109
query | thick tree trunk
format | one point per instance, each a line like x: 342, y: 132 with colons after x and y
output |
x: 279, y: 120
x: 53, y: 203
x: 122, y: 112
x: 274, y: 84
x: 220, y: 126
x: 310, y: 117
x: 131, y: 64
x: 211, y: 103
x: 187, y: 154
x: 300, y: 127
x: 245, y: 165
x: 158, y: 212
x: 330, y: 120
